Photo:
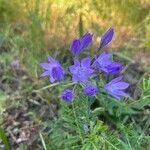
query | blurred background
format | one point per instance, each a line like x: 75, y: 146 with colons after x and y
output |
x: 31, y: 29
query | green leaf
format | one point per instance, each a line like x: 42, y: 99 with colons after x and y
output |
x: 43, y: 142
x: 81, y: 30
x: 3, y: 98
x: 98, y: 110
x: 4, y: 139
x: 87, y: 146
x: 71, y: 140
x: 141, y: 103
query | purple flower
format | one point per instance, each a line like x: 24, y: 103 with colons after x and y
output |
x: 78, y: 44
x: 86, y: 40
x: 81, y: 71
x: 116, y: 88
x: 75, y: 46
x: 106, y: 38
x: 15, y: 64
x: 53, y: 70
x: 67, y: 95
x: 104, y: 62
x: 90, y: 90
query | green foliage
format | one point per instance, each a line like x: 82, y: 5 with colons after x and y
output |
x: 81, y: 28
x: 99, y: 122
x: 4, y: 139
x: 3, y: 98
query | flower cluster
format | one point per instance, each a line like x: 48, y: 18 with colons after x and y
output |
x: 82, y: 70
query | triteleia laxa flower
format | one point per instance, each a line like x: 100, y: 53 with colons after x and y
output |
x: 116, y: 88
x: 106, y: 38
x: 104, y: 62
x: 67, y: 95
x: 81, y: 71
x: 90, y: 90
x: 81, y: 43
x: 53, y: 70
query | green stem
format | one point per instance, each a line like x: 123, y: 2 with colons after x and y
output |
x: 94, y: 146
x: 76, y: 121
x: 46, y: 87
x: 111, y: 144
x: 55, y: 84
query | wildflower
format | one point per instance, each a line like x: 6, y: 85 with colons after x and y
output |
x: 81, y: 71
x: 86, y: 40
x: 67, y: 95
x: 90, y: 90
x: 81, y: 43
x: 116, y: 87
x: 75, y: 46
x: 104, y: 62
x: 15, y: 64
x: 106, y: 38
x: 53, y: 69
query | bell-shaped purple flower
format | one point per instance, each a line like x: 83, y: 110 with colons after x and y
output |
x: 106, y: 38
x: 104, y: 62
x: 67, y: 95
x: 75, y: 46
x: 86, y: 40
x: 90, y: 90
x: 116, y: 88
x: 81, y: 71
x: 53, y: 70
x: 79, y: 44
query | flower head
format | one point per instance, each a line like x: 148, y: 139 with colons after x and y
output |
x: 105, y: 63
x: 90, y: 90
x: 67, y: 95
x: 81, y: 71
x: 53, y: 70
x: 116, y: 88
x: 86, y: 40
x: 106, y: 38
x: 15, y: 64
x: 81, y: 43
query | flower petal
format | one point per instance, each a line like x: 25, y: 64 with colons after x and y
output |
x: 76, y: 63
x: 120, y: 85
x: 106, y: 38
x: 122, y: 93
x: 46, y: 73
x: 45, y: 66
x: 115, y: 80
x: 51, y: 79
x: 105, y: 59
x: 73, y: 69
x: 90, y: 90
x: 75, y: 46
x: 88, y: 72
x: 57, y: 73
x: 86, y: 40
x: 86, y: 62
x: 67, y: 95
x: 115, y: 95
x: 51, y: 59
x: 75, y: 78
x: 113, y: 68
